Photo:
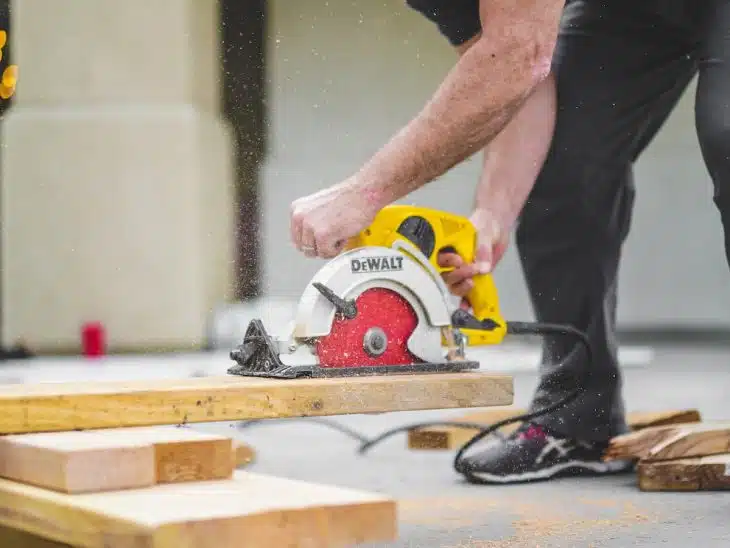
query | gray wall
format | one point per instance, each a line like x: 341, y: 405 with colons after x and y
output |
x: 343, y: 76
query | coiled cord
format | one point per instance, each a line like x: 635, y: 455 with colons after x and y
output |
x: 514, y: 328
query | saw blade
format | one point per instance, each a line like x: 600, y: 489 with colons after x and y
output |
x: 377, y: 335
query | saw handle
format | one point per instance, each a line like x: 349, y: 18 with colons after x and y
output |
x: 433, y: 232
x: 482, y: 297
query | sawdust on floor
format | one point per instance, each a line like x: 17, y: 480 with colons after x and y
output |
x: 532, y: 524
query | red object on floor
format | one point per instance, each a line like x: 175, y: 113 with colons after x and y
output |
x: 93, y: 339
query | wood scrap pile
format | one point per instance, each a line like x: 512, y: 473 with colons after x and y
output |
x: 169, y: 487
x: 451, y: 438
x: 693, y: 456
x: 85, y: 464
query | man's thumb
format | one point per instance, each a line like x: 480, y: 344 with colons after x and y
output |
x: 483, y: 259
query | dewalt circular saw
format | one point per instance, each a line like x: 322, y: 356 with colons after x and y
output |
x: 382, y: 307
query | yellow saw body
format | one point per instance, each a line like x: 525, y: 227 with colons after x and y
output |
x: 432, y: 232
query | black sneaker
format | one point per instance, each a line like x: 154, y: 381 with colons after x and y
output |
x: 532, y: 454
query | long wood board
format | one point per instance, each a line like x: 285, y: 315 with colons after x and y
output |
x: 672, y: 442
x: 112, y: 459
x: 450, y: 438
x: 13, y: 538
x: 710, y: 473
x: 247, y: 511
x: 49, y: 407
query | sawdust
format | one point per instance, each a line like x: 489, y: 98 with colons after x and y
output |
x: 533, y: 524
x: 448, y: 512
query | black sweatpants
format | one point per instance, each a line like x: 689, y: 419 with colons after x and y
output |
x: 620, y: 67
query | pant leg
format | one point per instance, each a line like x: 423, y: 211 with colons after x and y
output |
x: 619, y: 73
x: 712, y: 103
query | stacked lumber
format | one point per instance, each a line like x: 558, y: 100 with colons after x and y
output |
x: 682, y: 457
x: 168, y: 487
x: 451, y: 438
x: 90, y: 465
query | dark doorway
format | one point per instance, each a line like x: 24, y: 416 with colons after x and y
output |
x: 243, y: 63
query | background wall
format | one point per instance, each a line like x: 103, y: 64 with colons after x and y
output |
x: 343, y: 76
x: 117, y: 184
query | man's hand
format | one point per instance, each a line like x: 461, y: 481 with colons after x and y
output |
x: 321, y: 223
x: 491, y: 245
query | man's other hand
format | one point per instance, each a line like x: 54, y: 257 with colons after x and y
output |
x: 492, y: 242
x: 323, y: 222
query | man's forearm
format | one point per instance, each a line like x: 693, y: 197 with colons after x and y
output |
x: 480, y: 95
x: 513, y: 160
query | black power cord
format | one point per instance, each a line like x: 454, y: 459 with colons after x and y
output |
x: 349, y: 432
x: 514, y: 328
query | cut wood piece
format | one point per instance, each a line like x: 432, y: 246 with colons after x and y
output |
x: 450, y: 437
x: 244, y: 454
x: 76, y: 462
x: 710, y: 473
x: 247, y: 511
x: 49, y: 407
x: 103, y: 460
x: 447, y: 437
x: 672, y: 442
x: 638, y: 420
x: 182, y: 454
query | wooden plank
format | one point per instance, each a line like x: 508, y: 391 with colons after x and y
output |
x: 247, y: 511
x: 105, y: 460
x: 672, y: 442
x: 710, y: 473
x: 244, y: 454
x: 638, y: 420
x: 450, y: 438
x: 49, y: 407
x: 12, y: 538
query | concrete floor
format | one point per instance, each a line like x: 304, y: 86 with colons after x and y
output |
x: 437, y: 510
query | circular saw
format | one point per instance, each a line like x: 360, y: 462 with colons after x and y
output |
x: 382, y: 307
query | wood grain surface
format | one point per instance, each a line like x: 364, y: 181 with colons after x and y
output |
x: 107, y: 460
x: 48, y: 407
x: 710, y: 473
x: 247, y: 511
x: 449, y: 438
x: 672, y: 442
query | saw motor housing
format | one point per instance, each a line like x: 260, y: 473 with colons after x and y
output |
x: 433, y: 232
x: 381, y: 306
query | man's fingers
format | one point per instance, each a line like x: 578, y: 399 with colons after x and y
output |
x: 327, y: 242
x: 462, y: 288
x: 458, y: 275
x: 483, y: 259
x: 308, y: 244
x: 450, y: 260
x: 295, y: 228
x: 326, y: 248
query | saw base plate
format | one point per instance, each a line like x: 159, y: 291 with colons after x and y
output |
x: 257, y: 357
x: 318, y: 371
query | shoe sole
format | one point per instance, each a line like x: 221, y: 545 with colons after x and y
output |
x: 575, y: 467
